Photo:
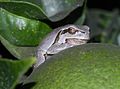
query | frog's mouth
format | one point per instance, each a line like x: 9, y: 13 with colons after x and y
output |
x: 75, y: 41
x: 84, y: 39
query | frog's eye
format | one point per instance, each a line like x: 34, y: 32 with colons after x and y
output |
x: 72, y: 30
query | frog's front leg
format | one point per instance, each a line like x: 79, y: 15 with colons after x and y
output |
x: 40, y: 57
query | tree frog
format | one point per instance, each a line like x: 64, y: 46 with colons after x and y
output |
x: 60, y: 39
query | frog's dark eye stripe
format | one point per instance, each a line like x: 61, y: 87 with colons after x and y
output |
x: 57, y: 37
x: 82, y: 32
x: 64, y: 31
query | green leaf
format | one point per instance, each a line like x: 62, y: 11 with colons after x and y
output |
x: 59, y: 9
x: 11, y: 71
x: 21, y: 31
x: 23, y: 8
x: 54, y: 9
x: 18, y: 51
x: 89, y: 66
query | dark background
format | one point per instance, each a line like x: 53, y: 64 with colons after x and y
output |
x: 99, y: 4
x: 104, y: 4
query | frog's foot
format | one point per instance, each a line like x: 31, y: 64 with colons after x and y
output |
x: 40, y: 58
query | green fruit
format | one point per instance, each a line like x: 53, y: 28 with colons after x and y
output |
x: 89, y: 66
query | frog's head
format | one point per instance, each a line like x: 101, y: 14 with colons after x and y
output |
x: 76, y: 35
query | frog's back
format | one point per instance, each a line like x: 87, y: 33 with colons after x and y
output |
x: 49, y: 40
